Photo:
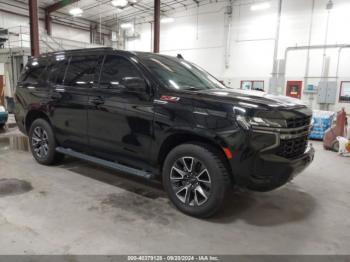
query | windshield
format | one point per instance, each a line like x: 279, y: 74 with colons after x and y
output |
x: 179, y: 74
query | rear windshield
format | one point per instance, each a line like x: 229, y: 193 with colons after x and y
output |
x: 180, y: 74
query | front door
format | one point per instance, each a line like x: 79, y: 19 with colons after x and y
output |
x: 294, y: 89
x: 120, y: 120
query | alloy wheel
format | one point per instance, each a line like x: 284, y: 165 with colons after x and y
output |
x: 190, y: 180
x: 40, y: 142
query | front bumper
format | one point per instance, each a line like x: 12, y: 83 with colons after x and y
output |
x: 257, y: 165
x: 271, y: 171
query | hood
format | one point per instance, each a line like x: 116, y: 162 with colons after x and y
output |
x: 253, y: 99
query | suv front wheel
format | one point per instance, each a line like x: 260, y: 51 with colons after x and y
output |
x: 196, y: 179
x: 43, y: 143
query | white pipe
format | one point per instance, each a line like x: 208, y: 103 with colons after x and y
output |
x: 228, y: 38
x: 272, y: 86
x: 338, y: 62
x: 309, y: 43
x: 275, y: 51
x: 294, y: 48
x: 324, y: 47
x: 325, y: 43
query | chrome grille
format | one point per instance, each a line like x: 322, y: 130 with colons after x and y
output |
x: 298, y: 122
x: 292, y: 140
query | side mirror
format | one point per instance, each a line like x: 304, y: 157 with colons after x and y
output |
x: 134, y: 84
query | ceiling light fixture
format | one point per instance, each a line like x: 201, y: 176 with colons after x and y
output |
x: 119, y: 3
x: 167, y: 20
x: 127, y: 26
x: 76, y: 11
x: 261, y: 6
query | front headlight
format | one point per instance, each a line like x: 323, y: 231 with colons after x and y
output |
x: 247, y: 122
x: 243, y: 122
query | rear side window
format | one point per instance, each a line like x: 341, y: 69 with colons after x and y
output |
x: 115, y: 68
x: 81, y: 71
x: 35, y: 71
x: 57, y: 72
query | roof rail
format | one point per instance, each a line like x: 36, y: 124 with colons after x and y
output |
x: 82, y: 50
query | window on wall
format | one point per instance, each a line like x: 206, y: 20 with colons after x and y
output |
x: 252, y: 85
x: 344, y: 95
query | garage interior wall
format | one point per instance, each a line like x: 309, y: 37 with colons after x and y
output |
x: 11, y: 20
x: 240, y: 46
x: 201, y: 35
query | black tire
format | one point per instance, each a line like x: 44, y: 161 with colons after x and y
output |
x: 49, y: 156
x: 2, y: 126
x: 210, y: 159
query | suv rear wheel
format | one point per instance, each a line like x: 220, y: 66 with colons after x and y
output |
x: 43, y: 143
x: 196, y: 179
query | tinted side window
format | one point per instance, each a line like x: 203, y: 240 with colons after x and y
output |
x: 57, y: 72
x: 81, y: 71
x: 34, y: 71
x: 115, y: 68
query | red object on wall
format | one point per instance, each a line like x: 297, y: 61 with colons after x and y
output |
x: 294, y: 89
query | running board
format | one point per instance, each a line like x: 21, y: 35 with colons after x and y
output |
x: 105, y: 163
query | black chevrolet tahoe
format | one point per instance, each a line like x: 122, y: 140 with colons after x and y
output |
x: 153, y: 115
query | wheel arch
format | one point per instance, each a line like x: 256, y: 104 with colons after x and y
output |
x: 177, y: 139
x: 32, y: 115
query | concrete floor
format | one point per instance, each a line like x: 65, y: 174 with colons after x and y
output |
x: 78, y: 208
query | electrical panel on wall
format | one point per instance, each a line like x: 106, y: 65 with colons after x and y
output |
x: 276, y: 85
x: 327, y: 92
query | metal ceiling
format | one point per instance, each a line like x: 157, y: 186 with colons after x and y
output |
x: 20, y: 7
x: 102, y: 11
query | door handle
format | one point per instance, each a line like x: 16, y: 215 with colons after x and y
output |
x: 97, y: 101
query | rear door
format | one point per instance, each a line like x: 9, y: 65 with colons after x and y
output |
x: 73, y: 77
x: 120, y: 120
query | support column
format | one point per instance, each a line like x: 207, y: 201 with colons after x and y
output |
x: 53, y: 8
x: 156, y: 30
x: 91, y: 34
x: 34, y: 29
x: 48, y: 23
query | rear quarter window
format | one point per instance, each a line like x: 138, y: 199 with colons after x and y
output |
x: 34, y: 71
